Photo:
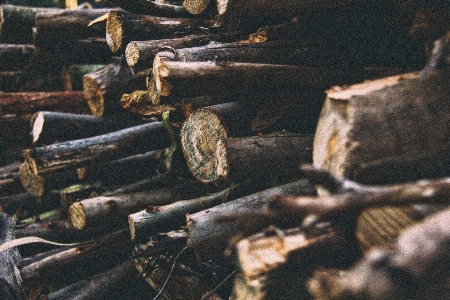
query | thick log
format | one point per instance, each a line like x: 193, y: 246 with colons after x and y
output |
x: 153, y: 8
x: 260, y: 157
x: 412, y: 268
x: 210, y: 238
x: 116, y: 208
x: 49, y: 127
x: 156, y: 219
x: 123, y: 27
x: 101, y: 148
x: 16, y: 23
x: 15, y: 57
x: 31, y: 102
x: 10, y: 279
x: 142, y: 53
x: 110, y: 173
x: 104, y: 87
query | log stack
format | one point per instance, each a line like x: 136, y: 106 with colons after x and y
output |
x: 225, y: 150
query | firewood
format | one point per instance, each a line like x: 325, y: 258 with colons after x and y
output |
x: 122, y: 28
x: 104, y: 87
x: 412, y: 268
x: 154, y: 8
x: 143, y: 52
x: 31, y: 102
x: 101, y: 148
x: 16, y: 23
x: 49, y: 127
x: 140, y: 102
x: 15, y: 57
x: 15, y: 203
x: 100, y: 285
x: 196, y: 7
x: 259, y: 157
x: 210, y: 238
x: 159, y: 218
x: 116, y: 208
x: 11, y: 282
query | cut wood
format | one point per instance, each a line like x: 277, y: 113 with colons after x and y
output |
x: 49, y: 127
x: 116, y: 208
x: 210, y: 237
x: 104, y: 87
x: 154, y: 8
x: 101, y: 148
x: 155, y: 219
x: 123, y: 27
x: 140, y: 102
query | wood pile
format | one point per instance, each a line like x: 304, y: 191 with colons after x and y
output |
x: 225, y: 149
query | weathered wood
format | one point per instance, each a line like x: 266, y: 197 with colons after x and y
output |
x: 49, y: 127
x: 31, y: 102
x: 140, y: 102
x: 10, y: 279
x: 110, y: 173
x: 15, y: 57
x: 158, y: 218
x: 154, y: 8
x: 116, y: 208
x: 260, y: 157
x: 123, y: 27
x: 143, y: 52
x: 210, y: 238
x: 101, y: 148
x: 104, y: 87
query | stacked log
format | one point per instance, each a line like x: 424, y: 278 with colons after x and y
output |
x: 179, y: 163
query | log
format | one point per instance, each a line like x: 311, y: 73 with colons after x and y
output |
x: 159, y: 218
x: 140, y: 102
x: 10, y: 279
x: 109, y: 173
x: 13, y: 203
x: 101, y: 148
x: 15, y: 57
x: 123, y: 27
x: 16, y: 23
x: 31, y: 102
x: 196, y: 7
x: 104, y: 87
x: 210, y: 238
x: 49, y: 127
x: 260, y: 157
x: 143, y: 52
x: 116, y: 208
x: 152, y: 8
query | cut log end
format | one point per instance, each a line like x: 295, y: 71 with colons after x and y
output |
x: 114, y: 31
x: 38, y: 125
x: 77, y: 215
x: 33, y: 183
x: 132, y: 54
x: 195, y: 7
x: 199, y: 136
x: 94, y: 96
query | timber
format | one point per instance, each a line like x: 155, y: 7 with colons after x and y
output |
x: 154, y: 8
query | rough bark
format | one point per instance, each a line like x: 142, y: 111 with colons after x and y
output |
x: 123, y: 27
x: 15, y: 57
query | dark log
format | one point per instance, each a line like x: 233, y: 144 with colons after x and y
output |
x: 260, y: 157
x: 49, y: 127
x: 14, y: 203
x: 210, y: 238
x: 16, y: 23
x: 123, y: 27
x: 116, y: 208
x: 10, y: 279
x: 143, y: 52
x: 15, y: 57
x: 156, y: 219
x: 101, y: 148
x: 31, y: 102
x: 104, y: 87
x: 412, y: 268
x: 151, y: 8
x: 104, y: 284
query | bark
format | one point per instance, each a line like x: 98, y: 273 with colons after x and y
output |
x: 209, y: 236
x: 151, y: 8
x: 116, y: 208
x: 49, y: 127
x: 15, y: 57
x: 31, y: 102
x: 16, y: 23
x: 158, y: 218
x: 260, y: 157
x: 123, y: 27
x: 142, y: 53
x: 101, y: 148
x: 104, y: 87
